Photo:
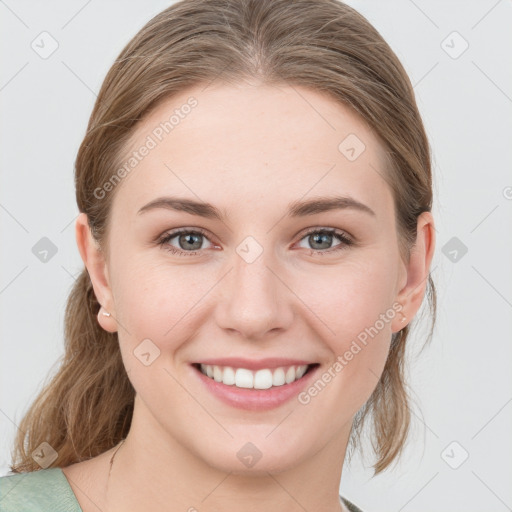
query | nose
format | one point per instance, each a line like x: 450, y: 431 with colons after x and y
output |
x: 255, y: 300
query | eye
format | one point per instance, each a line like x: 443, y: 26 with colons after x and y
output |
x: 189, y: 241
x: 321, y: 239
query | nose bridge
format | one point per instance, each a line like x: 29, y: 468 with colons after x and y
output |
x: 255, y: 301
x: 253, y: 279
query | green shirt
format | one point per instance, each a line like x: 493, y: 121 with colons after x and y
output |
x: 48, y: 490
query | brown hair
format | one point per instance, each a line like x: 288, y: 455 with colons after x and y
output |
x: 86, y: 408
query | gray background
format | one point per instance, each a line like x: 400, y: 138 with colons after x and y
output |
x: 461, y: 385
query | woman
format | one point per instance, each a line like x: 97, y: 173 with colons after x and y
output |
x: 255, y: 195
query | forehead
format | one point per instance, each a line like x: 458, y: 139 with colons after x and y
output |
x: 248, y: 144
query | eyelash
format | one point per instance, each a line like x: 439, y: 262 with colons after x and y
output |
x: 342, y: 237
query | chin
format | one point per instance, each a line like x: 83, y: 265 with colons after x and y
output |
x: 255, y: 457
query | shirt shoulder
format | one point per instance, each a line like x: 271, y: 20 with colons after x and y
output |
x: 48, y: 490
x: 350, y: 505
x: 44, y: 490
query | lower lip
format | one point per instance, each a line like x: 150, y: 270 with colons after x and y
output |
x: 256, y: 399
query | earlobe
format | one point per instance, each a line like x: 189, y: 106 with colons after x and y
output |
x: 106, y: 320
x: 418, y: 269
x: 94, y: 260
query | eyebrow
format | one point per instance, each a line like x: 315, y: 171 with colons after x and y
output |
x: 295, y: 209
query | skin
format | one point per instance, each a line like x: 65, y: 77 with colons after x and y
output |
x: 245, y: 149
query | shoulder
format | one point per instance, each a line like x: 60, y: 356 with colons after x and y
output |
x: 351, y: 507
x: 44, y: 490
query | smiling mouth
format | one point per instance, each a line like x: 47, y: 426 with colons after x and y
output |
x: 265, y: 378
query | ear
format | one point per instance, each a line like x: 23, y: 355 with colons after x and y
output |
x: 417, y: 271
x: 94, y: 260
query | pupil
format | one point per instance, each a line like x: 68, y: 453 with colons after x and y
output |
x: 187, y: 239
x: 316, y: 238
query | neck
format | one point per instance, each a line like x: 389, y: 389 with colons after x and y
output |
x: 156, y: 472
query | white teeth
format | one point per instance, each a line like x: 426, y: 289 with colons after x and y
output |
x: 243, y: 378
x: 290, y: 375
x: 301, y: 370
x: 261, y: 379
x: 278, y: 378
x: 217, y: 374
x: 229, y: 376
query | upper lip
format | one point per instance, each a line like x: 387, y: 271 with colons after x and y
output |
x: 254, y: 364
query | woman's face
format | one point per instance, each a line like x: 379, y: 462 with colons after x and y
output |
x: 259, y: 279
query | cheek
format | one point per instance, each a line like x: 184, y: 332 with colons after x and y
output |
x: 155, y: 304
x: 160, y: 302
x: 354, y: 306
x: 350, y: 297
